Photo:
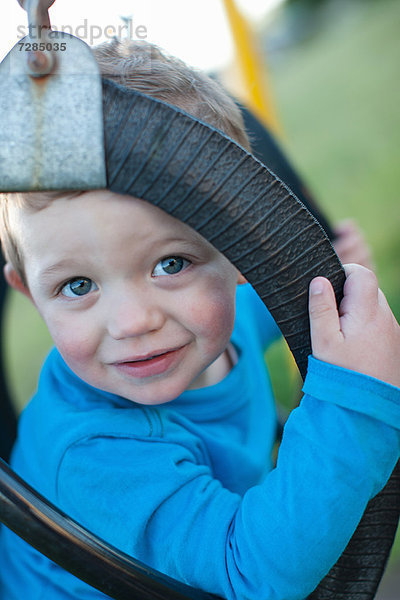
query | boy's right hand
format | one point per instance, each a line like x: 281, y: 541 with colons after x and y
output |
x: 363, y: 335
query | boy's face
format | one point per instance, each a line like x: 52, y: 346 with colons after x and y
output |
x: 137, y: 303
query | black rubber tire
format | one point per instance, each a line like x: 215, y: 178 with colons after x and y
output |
x: 198, y: 175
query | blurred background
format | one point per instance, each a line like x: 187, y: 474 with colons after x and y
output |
x: 330, y: 93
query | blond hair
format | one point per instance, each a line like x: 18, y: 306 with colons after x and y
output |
x: 141, y: 66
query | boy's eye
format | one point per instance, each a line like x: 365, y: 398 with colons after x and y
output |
x: 170, y: 266
x: 80, y: 286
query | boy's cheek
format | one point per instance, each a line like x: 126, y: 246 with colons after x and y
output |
x: 214, y: 316
x: 73, y: 342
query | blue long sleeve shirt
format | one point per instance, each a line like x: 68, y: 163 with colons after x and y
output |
x: 188, y: 487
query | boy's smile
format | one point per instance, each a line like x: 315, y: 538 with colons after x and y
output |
x: 137, y: 303
x: 154, y: 364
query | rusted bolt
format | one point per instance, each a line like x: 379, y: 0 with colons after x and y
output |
x: 40, y: 63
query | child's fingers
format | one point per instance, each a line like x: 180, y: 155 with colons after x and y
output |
x: 345, y: 226
x: 360, y: 293
x: 324, y: 317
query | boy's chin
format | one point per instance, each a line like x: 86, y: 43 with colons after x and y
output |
x: 154, y: 393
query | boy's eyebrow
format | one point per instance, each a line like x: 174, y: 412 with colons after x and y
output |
x: 54, y: 268
x: 198, y: 244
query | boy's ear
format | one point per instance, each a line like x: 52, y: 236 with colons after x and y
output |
x: 15, y: 281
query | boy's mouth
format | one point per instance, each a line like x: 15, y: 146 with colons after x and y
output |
x: 151, y: 364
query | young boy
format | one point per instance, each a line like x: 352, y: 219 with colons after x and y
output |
x: 154, y: 420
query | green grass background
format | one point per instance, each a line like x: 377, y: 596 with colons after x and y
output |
x: 338, y: 98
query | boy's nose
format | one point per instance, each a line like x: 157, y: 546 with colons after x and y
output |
x: 134, y: 318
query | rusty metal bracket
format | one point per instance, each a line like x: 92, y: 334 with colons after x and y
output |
x: 51, y: 115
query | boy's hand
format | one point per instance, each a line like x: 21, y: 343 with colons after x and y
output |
x: 351, y: 246
x: 364, y: 335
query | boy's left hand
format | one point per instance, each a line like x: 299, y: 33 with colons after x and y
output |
x: 351, y: 246
x: 363, y: 335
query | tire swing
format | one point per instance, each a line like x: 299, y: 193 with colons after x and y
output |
x: 195, y: 173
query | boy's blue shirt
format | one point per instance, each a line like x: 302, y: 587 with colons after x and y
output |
x: 187, y: 486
